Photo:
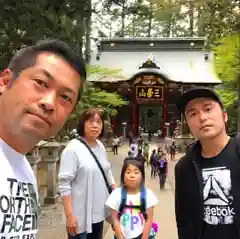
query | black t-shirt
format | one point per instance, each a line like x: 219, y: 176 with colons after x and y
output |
x: 218, y: 211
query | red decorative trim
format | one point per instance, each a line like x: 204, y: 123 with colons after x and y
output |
x: 165, y: 109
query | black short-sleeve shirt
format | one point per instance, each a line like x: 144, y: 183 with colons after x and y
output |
x: 218, y: 210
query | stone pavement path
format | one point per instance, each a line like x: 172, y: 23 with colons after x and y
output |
x: 164, y: 213
x: 52, y: 226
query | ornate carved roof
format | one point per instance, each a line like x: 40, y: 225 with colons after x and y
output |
x: 179, y: 60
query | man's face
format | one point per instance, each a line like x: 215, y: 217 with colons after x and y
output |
x: 39, y: 101
x: 205, y: 118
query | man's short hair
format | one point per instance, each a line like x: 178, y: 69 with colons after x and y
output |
x: 27, y: 56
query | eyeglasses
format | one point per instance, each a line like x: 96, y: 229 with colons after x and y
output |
x: 93, y: 121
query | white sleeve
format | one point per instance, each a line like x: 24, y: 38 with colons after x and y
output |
x: 114, y: 199
x: 67, y: 171
x: 110, y: 177
x: 151, y: 199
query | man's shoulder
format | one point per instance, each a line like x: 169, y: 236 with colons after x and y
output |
x: 186, y: 158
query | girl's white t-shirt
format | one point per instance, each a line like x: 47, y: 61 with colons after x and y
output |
x: 131, y: 221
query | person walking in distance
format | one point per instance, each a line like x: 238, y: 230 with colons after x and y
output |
x: 115, y: 143
x: 173, y: 149
x: 153, y: 163
x: 162, y: 168
x: 207, y: 178
x: 129, y: 156
x: 146, y: 151
x: 134, y: 148
x: 140, y: 157
x: 39, y: 91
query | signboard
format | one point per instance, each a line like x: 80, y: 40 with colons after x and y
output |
x: 149, y: 92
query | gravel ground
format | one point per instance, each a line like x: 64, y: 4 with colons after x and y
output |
x: 51, y: 224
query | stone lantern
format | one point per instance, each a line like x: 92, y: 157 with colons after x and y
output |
x: 50, y: 155
x: 33, y: 158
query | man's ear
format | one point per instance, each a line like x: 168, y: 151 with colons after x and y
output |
x: 5, y: 80
x: 225, y: 116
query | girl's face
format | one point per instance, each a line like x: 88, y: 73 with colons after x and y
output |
x: 132, y: 177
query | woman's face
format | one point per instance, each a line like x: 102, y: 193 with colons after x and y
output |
x: 93, y: 127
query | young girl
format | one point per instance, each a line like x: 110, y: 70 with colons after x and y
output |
x: 132, y: 204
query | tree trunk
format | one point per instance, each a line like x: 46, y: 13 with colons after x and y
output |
x: 191, y: 18
x: 150, y: 19
x: 88, y: 32
x: 200, y: 29
x: 123, y: 19
x: 169, y: 23
x: 79, y: 35
x: 169, y: 28
x: 133, y: 26
x: 238, y: 109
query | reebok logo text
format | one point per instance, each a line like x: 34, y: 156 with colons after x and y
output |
x: 218, y: 211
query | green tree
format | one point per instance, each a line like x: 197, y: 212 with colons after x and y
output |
x: 227, y: 62
x: 95, y: 97
x: 25, y: 23
x: 170, y: 16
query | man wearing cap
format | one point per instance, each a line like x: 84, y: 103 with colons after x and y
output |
x: 207, y: 178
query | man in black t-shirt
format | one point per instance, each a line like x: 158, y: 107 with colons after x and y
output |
x: 207, y: 190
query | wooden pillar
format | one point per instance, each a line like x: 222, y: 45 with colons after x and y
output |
x: 165, y: 108
x: 114, y: 124
x: 134, y: 117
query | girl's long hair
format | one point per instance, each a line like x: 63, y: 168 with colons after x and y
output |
x: 135, y: 163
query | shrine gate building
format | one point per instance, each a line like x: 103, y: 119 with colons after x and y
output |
x: 154, y: 71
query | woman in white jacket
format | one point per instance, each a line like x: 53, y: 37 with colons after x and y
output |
x: 81, y: 182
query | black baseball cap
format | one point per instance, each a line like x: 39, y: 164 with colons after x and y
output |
x: 197, y: 92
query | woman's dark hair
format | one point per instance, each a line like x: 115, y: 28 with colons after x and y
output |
x: 135, y: 163
x: 89, y: 114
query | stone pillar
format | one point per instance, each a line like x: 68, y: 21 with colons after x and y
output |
x: 33, y: 158
x: 167, y: 127
x: 50, y: 156
x: 124, y: 127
